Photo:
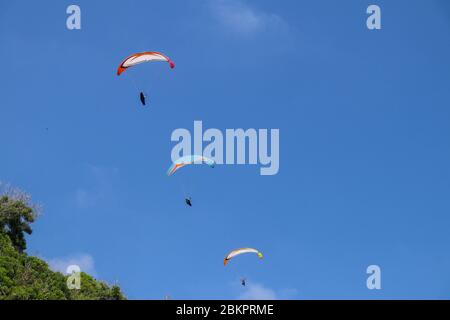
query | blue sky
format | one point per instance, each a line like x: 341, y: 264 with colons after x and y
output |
x: 364, y: 144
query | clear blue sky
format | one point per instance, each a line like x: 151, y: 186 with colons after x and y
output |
x: 364, y: 136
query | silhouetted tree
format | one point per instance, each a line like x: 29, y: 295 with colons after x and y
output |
x: 16, y: 214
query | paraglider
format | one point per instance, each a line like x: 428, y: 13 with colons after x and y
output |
x: 186, y: 160
x: 243, y: 282
x: 237, y: 252
x: 139, y: 58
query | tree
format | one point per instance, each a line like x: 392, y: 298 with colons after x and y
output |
x: 23, y: 277
x: 16, y: 214
x: 29, y: 278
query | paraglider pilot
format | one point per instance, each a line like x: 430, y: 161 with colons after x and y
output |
x: 142, y: 97
x: 188, y: 201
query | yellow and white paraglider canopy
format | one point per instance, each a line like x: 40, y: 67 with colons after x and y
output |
x: 237, y: 252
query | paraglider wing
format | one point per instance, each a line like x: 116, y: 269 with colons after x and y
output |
x: 186, y: 160
x: 142, y: 57
x: 237, y: 252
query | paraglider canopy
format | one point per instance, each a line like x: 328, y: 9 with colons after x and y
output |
x: 142, y: 57
x: 237, y: 252
x: 191, y: 159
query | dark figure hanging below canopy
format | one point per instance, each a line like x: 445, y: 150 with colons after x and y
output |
x: 188, y: 201
x: 142, y: 97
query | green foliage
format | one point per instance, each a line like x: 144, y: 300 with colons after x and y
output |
x: 29, y: 278
x: 15, y: 218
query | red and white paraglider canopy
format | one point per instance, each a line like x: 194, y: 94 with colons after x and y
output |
x: 142, y: 57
